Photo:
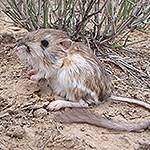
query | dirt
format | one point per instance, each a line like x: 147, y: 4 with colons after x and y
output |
x: 26, y: 124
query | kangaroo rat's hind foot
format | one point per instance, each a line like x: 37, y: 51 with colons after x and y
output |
x: 58, y: 104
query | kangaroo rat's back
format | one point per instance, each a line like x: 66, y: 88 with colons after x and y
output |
x: 89, y: 73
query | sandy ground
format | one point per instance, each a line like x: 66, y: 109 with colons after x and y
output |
x: 25, y: 125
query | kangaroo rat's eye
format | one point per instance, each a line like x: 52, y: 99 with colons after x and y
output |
x: 44, y: 43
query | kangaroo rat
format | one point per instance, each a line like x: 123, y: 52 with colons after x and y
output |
x: 74, y: 73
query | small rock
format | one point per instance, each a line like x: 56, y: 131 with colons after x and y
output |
x: 16, y: 132
x: 105, y: 138
x: 8, y: 38
x: 82, y: 129
x: 40, y: 113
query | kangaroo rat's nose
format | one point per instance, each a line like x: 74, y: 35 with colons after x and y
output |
x: 22, y: 47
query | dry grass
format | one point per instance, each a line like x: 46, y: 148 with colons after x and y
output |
x: 94, y: 22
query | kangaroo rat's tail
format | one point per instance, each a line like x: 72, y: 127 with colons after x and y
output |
x: 79, y: 115
x: 130, y: 100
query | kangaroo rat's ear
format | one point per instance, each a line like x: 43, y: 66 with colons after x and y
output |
x: 65, y: 44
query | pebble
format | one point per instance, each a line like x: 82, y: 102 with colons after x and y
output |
x: 40, y: 113
x: 16, y: 132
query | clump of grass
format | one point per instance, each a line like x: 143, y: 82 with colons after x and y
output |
x: 95, y: 22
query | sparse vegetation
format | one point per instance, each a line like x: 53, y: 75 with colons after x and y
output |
x: 94, y: 22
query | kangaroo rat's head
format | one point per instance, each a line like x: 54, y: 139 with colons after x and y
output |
x: 43, y: 50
